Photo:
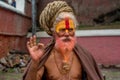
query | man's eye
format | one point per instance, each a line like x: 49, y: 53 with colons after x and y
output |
x: 70, y: 29
x: 62, y: 30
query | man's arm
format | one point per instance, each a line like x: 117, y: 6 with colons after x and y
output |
x: 33, y: 73
x: 36, y: 51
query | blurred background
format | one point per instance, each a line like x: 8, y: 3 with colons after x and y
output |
x: 98, y: 32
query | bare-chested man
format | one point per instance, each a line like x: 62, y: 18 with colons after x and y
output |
x: 63, y: 58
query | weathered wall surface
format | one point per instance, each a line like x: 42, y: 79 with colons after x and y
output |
x: 104, y: 49
x: 10, y: 43
x: 87, y: 10
x: 13, y: 29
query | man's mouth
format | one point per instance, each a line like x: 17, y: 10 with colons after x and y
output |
x: 66, y: 40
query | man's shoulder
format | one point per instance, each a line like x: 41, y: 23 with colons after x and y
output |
x: 50, y: 58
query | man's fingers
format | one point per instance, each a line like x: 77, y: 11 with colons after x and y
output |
x: 32, y: 41
x: 29, y: 45
x: 41, y: 46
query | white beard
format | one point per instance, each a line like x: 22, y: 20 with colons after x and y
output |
x: 65, y: 46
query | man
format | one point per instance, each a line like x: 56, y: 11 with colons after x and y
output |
x: 62, y: 59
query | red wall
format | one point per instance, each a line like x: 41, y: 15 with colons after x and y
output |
x: 13, y: 29
x: 106, y: 50
x: 9, y: 43
x: 12, y: 23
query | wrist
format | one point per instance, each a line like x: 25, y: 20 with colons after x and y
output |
x: 34, y: 64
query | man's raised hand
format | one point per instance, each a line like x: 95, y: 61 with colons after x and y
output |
x: 35, y: 50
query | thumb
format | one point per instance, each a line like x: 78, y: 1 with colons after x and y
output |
x: 41, y: 46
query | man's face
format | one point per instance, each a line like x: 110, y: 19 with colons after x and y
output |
x: 65, y: 35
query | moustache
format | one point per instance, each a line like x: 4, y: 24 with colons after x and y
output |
x: 66, y: 39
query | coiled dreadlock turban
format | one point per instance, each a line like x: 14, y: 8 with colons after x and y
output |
x: 50, y: 12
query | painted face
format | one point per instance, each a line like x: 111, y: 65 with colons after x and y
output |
x: 65, y: 39
x: 65, y: 26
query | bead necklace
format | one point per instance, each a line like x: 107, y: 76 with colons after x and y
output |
x: 65, y: 65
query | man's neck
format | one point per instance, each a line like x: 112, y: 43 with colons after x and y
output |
x: 66, y: 54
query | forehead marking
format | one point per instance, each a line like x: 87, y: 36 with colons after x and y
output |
x: 67, y: 23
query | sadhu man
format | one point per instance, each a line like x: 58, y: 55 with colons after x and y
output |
x: 63, y: 58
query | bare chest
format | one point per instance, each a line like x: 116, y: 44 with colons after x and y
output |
x: 55, y: 70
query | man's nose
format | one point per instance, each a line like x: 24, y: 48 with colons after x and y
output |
x: 66, y: 32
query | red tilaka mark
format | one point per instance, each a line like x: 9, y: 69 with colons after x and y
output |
x: 67, y: 23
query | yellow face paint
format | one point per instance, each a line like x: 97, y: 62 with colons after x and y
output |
x: 65, y: 25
